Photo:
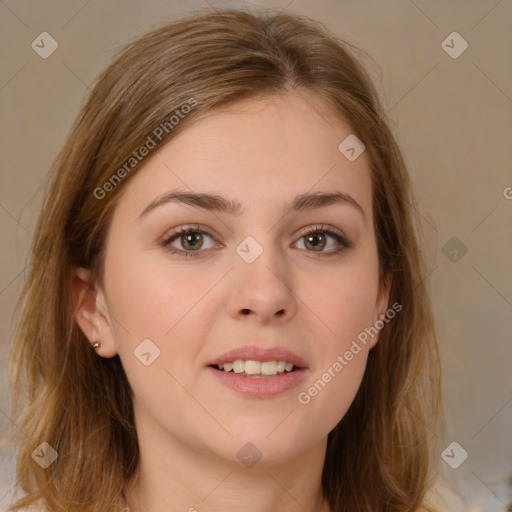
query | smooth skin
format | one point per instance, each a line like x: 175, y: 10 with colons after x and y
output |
x: 299, y: 293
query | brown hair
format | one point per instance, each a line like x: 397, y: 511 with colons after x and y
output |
x: 379, y: 456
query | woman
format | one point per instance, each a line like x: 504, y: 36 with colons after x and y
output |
x: 226, y: 304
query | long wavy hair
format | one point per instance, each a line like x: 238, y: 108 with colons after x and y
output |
x: 382, y: 455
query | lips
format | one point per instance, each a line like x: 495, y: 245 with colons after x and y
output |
x: 255, y: 353
x: 259, y: 386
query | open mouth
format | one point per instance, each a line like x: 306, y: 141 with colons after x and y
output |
x: 258, y: 379
x: 253, y: 368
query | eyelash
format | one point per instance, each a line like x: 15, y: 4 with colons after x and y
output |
x: 344, y: 243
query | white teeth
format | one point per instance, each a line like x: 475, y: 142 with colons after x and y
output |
x: 238, y: 366
x: 281, y: 366
x: 268, y: 368
x: 252, y: 367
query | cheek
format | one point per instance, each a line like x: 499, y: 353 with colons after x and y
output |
x: 343, y: 299
x: 344, y: 302
x: 165, y: 313
x: 336, y: 377
x: 172, y: 307
x: 326, y: 398
x: 151, y: 300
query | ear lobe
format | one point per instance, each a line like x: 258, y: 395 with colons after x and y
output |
x: 91, y: 313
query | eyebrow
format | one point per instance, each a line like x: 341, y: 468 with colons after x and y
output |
x: 216, y: 203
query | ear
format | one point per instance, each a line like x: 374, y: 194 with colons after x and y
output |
x: 379, y: 318
x: 91, y: 313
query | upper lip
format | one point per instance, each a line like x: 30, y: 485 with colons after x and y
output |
x: 256, y: 353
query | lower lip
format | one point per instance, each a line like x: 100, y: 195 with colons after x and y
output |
x: 259, y: 387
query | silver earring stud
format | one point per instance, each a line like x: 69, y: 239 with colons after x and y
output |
x: 95, y: 345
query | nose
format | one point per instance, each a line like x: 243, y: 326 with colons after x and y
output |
x: 262, y: 290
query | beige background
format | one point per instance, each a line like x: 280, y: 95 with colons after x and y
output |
x: 453, y: 118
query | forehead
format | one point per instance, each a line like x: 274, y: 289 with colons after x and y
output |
x: 260, y: 151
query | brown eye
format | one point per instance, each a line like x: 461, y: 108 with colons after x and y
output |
x: 319, y: 239
x: 192, y: 241
x: 315, y: 241
x: 187, y: 241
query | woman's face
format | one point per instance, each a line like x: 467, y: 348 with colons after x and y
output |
x: 247, y: 277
